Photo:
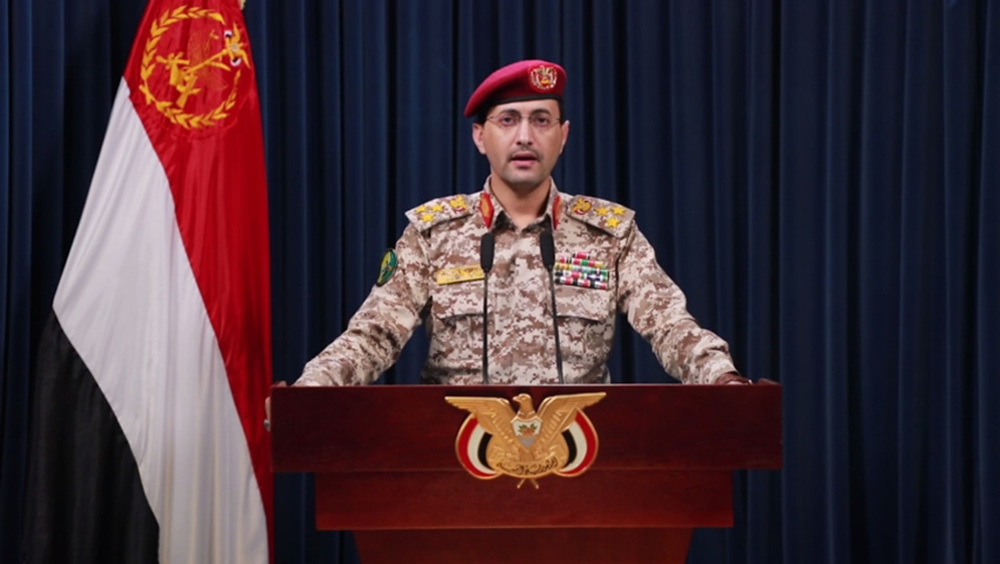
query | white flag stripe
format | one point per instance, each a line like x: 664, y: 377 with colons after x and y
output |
x: 582, y: 448
x: 473, y: 447
x: 156, y: 357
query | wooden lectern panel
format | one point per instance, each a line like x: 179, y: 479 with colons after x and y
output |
x: 386, y: 467
x: 599, y: 498
x: 411, y: 428
x: 518, y: 546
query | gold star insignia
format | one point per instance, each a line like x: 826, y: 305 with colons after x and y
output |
x: 612, y: 222
x: 437, y: 207
x: 602, y: 210
x: 421, y: 209
x: 427, y: 217
x: 619, y: 210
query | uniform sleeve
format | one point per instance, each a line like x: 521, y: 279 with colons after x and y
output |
x: 382, y: 325
x: 657, y: 309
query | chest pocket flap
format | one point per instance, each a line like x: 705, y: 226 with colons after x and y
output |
x: 456, y: 300
x: 583, y: 303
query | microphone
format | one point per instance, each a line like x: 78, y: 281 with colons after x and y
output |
x: 486, y: 263
x: 549, y: 260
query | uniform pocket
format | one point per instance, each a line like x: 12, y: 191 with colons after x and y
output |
x: 455, y: 323
x: 586, y: 304
x: 586, y: 324
x: 457, y: 300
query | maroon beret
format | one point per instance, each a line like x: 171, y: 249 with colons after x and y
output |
x: 523, y: 80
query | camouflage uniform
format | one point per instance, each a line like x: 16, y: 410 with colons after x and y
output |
x: 442, y: 244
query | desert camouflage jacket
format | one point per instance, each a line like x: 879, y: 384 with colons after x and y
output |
x: 604, y: 265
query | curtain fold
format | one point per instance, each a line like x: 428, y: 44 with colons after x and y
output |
x: 821, y: 178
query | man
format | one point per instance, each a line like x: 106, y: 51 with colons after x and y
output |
x: 603, y: 265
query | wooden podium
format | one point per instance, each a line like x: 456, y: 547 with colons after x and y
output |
x: 386, y: 468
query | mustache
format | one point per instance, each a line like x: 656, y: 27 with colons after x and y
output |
x: 521, y: 151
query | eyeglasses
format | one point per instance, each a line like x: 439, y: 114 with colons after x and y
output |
x: 539, y: 121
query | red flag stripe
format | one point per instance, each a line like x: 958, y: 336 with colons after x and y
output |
x: 218, y: 181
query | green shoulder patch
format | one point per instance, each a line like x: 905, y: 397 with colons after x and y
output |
x: 388, y: 268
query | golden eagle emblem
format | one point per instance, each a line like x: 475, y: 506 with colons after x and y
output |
x: 495, y: 440
x: 544, y: 78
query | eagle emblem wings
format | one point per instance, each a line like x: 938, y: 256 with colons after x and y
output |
x: 496, y: 440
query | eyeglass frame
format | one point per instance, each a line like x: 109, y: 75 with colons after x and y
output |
x: 519, y: 117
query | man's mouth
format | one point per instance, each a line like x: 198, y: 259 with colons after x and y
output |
x: 523, y: 157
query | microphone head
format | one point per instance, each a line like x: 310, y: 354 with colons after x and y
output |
x: 486, y: 251
x: 548, y: 249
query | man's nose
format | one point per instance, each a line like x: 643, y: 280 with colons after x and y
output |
x: 524, y: 132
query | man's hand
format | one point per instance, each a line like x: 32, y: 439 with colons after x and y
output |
x: 731, y: 378
x: 267, y: 407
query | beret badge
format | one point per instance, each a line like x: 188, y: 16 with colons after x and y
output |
x: 543, y: 78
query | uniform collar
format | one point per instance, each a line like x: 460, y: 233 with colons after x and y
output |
x: 490, y: 207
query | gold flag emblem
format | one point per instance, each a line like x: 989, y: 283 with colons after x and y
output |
x: 192, y: 63
x: 495, y: 440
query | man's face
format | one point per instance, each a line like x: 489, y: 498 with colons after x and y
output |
x: 523, y: 155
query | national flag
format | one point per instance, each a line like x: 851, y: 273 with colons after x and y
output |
x: 147, y: 438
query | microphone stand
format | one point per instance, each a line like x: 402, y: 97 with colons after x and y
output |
x: 549, y: 260
x: 486, y: 262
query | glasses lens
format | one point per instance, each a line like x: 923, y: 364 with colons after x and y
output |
x: 508, y: 120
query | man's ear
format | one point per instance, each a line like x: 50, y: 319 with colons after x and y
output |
x: 477, y: 137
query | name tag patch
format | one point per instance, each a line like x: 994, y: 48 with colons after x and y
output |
x: 459, y: 274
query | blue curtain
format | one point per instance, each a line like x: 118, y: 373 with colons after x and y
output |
x: 822, y: 178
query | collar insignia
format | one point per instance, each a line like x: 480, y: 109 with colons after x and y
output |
x: 486, y: 209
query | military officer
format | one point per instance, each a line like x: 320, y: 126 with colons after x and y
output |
x: 603, y: 265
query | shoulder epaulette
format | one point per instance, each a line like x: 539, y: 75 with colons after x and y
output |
x: 603, y: 214
x: 438, y: 211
